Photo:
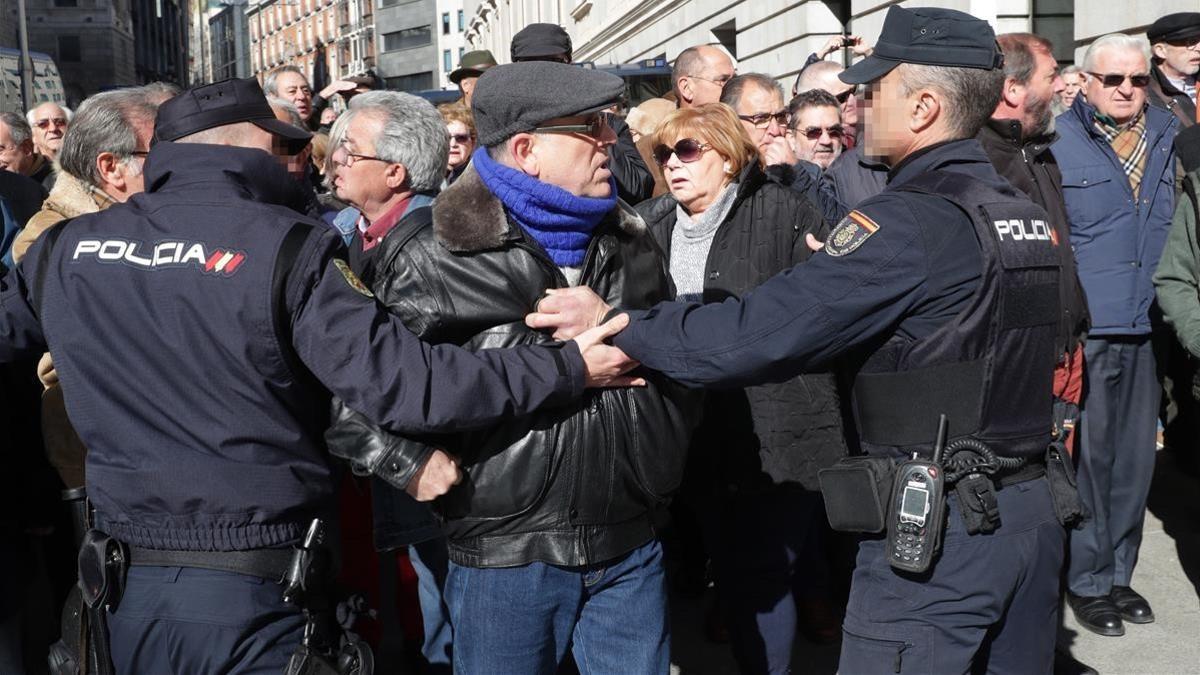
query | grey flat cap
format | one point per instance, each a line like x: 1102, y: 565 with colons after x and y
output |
x: 516, y: 97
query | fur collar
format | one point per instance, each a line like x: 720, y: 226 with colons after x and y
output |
x: 72, y: 197
x: 467, y: 217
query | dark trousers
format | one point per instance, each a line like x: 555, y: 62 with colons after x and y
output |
x: 1115, y: 463
x: 768, y: 555
x: 990, y: 603
x: 190, y: 621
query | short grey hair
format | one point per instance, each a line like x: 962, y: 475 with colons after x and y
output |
x: 18, y: 128
x: 1071, y: 70
x: 105, y: 123
x: 413, y: 134
x: 292, y: 111
x: 337, y: 135
x: 971, y: 93
x: 1115, y: 41
x: 160, y: 92
x: 269, y: 86
x: 810, y: 77
x: 66, y: 111
x: 731, y: 95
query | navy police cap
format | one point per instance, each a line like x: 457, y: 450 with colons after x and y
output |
x: 928, y: 36
x: 226, y: 102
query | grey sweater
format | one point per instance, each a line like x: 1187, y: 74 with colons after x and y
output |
x: 690, y: 240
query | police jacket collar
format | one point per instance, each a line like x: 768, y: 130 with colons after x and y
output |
x: 204, y: 171
x: 962, y: 150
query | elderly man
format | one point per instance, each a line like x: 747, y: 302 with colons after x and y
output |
x: 824, y: 75
x: 289, y: 83
x: 551, y: 533
x: 908, y: 292
x: 49, y: 122
x: 1175, y: 43
x: 470, y: 67
x: 699, y: 74
x: 1118, y: 170
x: 814, y: 129
x: 18, y: 153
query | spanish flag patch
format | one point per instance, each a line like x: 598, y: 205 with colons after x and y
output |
x: 850, y: 233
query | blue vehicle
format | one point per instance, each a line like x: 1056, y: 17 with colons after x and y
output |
x: 46, y: 85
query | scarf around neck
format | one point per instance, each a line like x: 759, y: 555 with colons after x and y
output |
x: 560, y: 221
x: 1129, y: 143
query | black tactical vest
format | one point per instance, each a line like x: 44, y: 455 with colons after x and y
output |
x: 991, y: 370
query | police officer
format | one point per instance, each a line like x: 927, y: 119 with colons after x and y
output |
x: 199, y: 328
x: 941, y: 291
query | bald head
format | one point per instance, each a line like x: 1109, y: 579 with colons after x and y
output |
x: 823, y: 75
x: 699, y: 75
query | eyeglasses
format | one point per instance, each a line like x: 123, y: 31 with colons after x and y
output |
x: 719, y: 81
x: 845, y: 95
x: 686, y: 149
x: 814, y: 133
x: 763, y: 120
x: 1116, y: 79
x: 461, y: 139
x: 56, y: 121
x: 348, y: 158
x: 595, y: 127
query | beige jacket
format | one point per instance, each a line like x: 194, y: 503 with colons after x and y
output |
x: 70, y: 197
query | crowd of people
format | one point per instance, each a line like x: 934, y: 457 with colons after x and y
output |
x: 557, y: 357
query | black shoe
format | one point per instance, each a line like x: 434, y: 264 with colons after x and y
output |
x: 1097, y: 614
x: 1131, y: 604
x: 1065, y: 664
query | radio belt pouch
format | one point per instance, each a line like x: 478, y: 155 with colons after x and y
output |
x: 857, y: 491
x: 1064, y: 490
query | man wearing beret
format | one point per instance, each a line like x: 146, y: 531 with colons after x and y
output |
x: 1175, y: 43
x: 470, y: 67
x: 550, y: 532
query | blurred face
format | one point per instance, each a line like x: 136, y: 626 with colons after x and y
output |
x: 14, y: 157
x: 760, y: 103
x: 886, y: 135
x: 575, y: 161
x: 695, y: 183
x: 816, y: 135
x: 1039, y: 93
x: 297, y: 164
x: 1072, y: 84
x: 1180, y: 58
x: 467, y: 87
x: 1124, y: 101
x: 462, y: 144
x: 49, y: 125
x: 358, y: 179
x: 294, y: 87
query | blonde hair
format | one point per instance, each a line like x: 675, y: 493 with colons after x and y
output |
x: 716, y: 125
x: 320, y: 150
x: 457, y: 112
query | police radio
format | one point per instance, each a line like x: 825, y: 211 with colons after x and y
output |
x: 917, y: 513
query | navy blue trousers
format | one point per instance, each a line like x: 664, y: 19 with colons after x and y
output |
x: 990, y: 603
x: 188, y: 621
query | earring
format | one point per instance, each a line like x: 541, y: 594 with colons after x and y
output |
x: 728, y: 167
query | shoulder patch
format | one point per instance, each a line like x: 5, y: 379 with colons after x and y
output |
x: 850, y: 233
x: 352, y: 278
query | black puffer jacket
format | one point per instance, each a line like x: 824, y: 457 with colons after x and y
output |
x: 777, y: 433
x: 569, y: 486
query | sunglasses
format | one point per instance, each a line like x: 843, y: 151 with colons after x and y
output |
x: 1115, y: 80
x: 845, y: 95
x: 44, y: 124
x: 595, y: 127
x: 814, y: 133
x: 763, y: 120
x: 461, y: 139
x: 686, y: 149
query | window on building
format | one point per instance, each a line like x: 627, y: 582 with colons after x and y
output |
x: 413, y: 82
x: 461, y: 51
x: 388, y: 3
x: 445, y: 23
x: 66, y: 3
x: 69, y: 49
x: 407, y: 38
x: 447, y: 66
x: 1055, y: 21
x: 726, y: 34
x: 461, y: 22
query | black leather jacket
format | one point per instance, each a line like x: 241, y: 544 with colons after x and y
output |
x: 568, y: 486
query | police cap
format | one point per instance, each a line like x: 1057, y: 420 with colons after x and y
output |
x: 516, y: 97
x: 226, y: 102
x: 928, y: 36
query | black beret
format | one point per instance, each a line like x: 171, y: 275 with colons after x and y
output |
x: 516, y: 97
x: 1179, y: 26
x: 539, y: 40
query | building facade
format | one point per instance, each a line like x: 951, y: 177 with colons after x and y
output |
x: 160, y: 39
x: 228, y: 34
x: 451, y: 39
x: 406, y: 43
x: 301, y: 33
x: 91, y: 41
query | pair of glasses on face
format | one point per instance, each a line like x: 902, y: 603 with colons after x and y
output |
x: 845, y: 95
x: 595, y: 127
x: 814, y: 133
x: 56, y: 121
x: 763, y: 120
x: 1111, y: 80
x: 461, y: 139
x: 686, y: 149
x: 342, y: 155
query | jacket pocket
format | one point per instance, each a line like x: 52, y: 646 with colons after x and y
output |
x: 506, y: 471
x: 1092, y: 196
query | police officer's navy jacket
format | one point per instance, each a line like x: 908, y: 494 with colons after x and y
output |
x: 904, y: 285
x: 195, y: 329
x: 1118, y: 238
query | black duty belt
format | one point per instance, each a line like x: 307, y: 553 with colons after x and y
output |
x: 1034, y: 468
x: 271, y: 564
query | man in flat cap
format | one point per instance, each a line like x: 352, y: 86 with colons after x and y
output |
x: 550, y: 533
x: 1175, y: 43
x: 470, y: 67
x: 940, y: 294
x: 199, y: 328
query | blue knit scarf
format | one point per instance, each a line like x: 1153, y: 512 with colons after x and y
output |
x: 560, y: 221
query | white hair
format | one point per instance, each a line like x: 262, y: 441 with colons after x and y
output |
x: 66, y: 111
x: 1115, y: 41
x: 290, y: 108
x: 413, y: 134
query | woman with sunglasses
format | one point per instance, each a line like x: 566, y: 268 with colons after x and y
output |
x: 726, y: 229
x: 460, y: 127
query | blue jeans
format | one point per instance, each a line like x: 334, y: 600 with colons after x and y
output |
x: 613, y: 616
x: 430, y: 559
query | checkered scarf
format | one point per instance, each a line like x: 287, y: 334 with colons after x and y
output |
x: 1129, y: 142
